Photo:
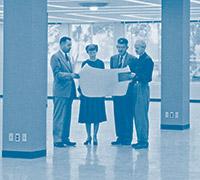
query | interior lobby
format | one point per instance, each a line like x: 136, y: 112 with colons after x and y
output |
x: 29, y: 35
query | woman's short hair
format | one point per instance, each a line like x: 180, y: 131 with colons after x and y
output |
x: 91, y: 47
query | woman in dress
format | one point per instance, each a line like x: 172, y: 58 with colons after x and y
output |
x: 92, y: 109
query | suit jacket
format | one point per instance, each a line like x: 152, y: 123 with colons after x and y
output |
x: 63, y: 85
x: 130, y: 61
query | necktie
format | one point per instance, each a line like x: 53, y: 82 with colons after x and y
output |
x: 120, y: 61
x: 66, y: 57
x: 68, y: 61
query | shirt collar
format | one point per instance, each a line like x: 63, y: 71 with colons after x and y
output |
x: 142, y: 54
x: 123, y: 56
x: 63, y: 52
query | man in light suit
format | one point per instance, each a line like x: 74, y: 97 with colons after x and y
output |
x: 64, y: 92
x: 124, y: 105
x: 143, y: 70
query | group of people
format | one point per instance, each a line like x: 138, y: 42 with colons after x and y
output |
x: 132, y: 107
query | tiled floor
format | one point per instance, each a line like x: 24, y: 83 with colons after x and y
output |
x: 172, y: 155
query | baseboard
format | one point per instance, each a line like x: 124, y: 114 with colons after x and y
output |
x: 174, y: 127
x: 24, y: 154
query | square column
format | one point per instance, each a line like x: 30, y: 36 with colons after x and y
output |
x: 25, y: 78
x: 175, y: 64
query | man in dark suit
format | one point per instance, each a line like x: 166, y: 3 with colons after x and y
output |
x: 143, y: 70
x: 64, y: 92
x: 123, y: 105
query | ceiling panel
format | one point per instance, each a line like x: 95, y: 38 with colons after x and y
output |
x: 117, y: 10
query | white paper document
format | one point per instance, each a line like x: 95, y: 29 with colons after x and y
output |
x: 95, y: 82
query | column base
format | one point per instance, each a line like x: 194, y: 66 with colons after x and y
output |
x: 174, y: 127
x: 24, y: 154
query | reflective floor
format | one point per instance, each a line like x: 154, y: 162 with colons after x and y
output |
x: 172, y: 155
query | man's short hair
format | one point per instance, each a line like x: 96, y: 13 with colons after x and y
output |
x: 122, y: 41
x: 64, y: 39
x: 141, y: 43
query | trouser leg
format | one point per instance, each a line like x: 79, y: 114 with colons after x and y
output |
x: 124, y: 112
x: 67, y: 120
x: 128, y: 114
x: 118, y: 118
x: 58, y: 118
x: 141, y: 113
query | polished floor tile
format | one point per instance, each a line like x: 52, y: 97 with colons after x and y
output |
x: 172, y: 155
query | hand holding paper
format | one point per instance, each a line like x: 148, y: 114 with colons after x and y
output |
x: 126, y: 76
x: 75, y: 76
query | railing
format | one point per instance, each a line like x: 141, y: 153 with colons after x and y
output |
x: 110, y: 99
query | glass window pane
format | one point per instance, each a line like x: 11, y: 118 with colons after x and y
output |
x: 103, y: 37
x: 194, y: 60
x: 54, y: 33
x: 81, y: 35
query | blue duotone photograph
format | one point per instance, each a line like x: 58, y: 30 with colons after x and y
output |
x: 99, y: 89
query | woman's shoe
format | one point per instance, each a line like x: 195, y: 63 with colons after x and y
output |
x: 88, y: 141
x: 95, y: 142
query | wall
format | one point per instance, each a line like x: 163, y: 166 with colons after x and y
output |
x: 1, y: 80
x: 1, y: 58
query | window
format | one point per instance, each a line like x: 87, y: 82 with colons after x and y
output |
x: 150, y: 33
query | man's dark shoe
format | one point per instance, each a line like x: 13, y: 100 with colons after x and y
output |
x: 117, y: 142
x: 59, y: 144
x: 95, y: 143
x: 134, y: 145
x: 140, y: 145
x: 69, y: 143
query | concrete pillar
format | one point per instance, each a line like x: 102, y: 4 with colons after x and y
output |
x: 1, y: 58
x: 25, y: 78
x: 1, y: 81
x: 175, y: 64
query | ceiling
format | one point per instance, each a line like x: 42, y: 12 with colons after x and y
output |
x: 62, y: 11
